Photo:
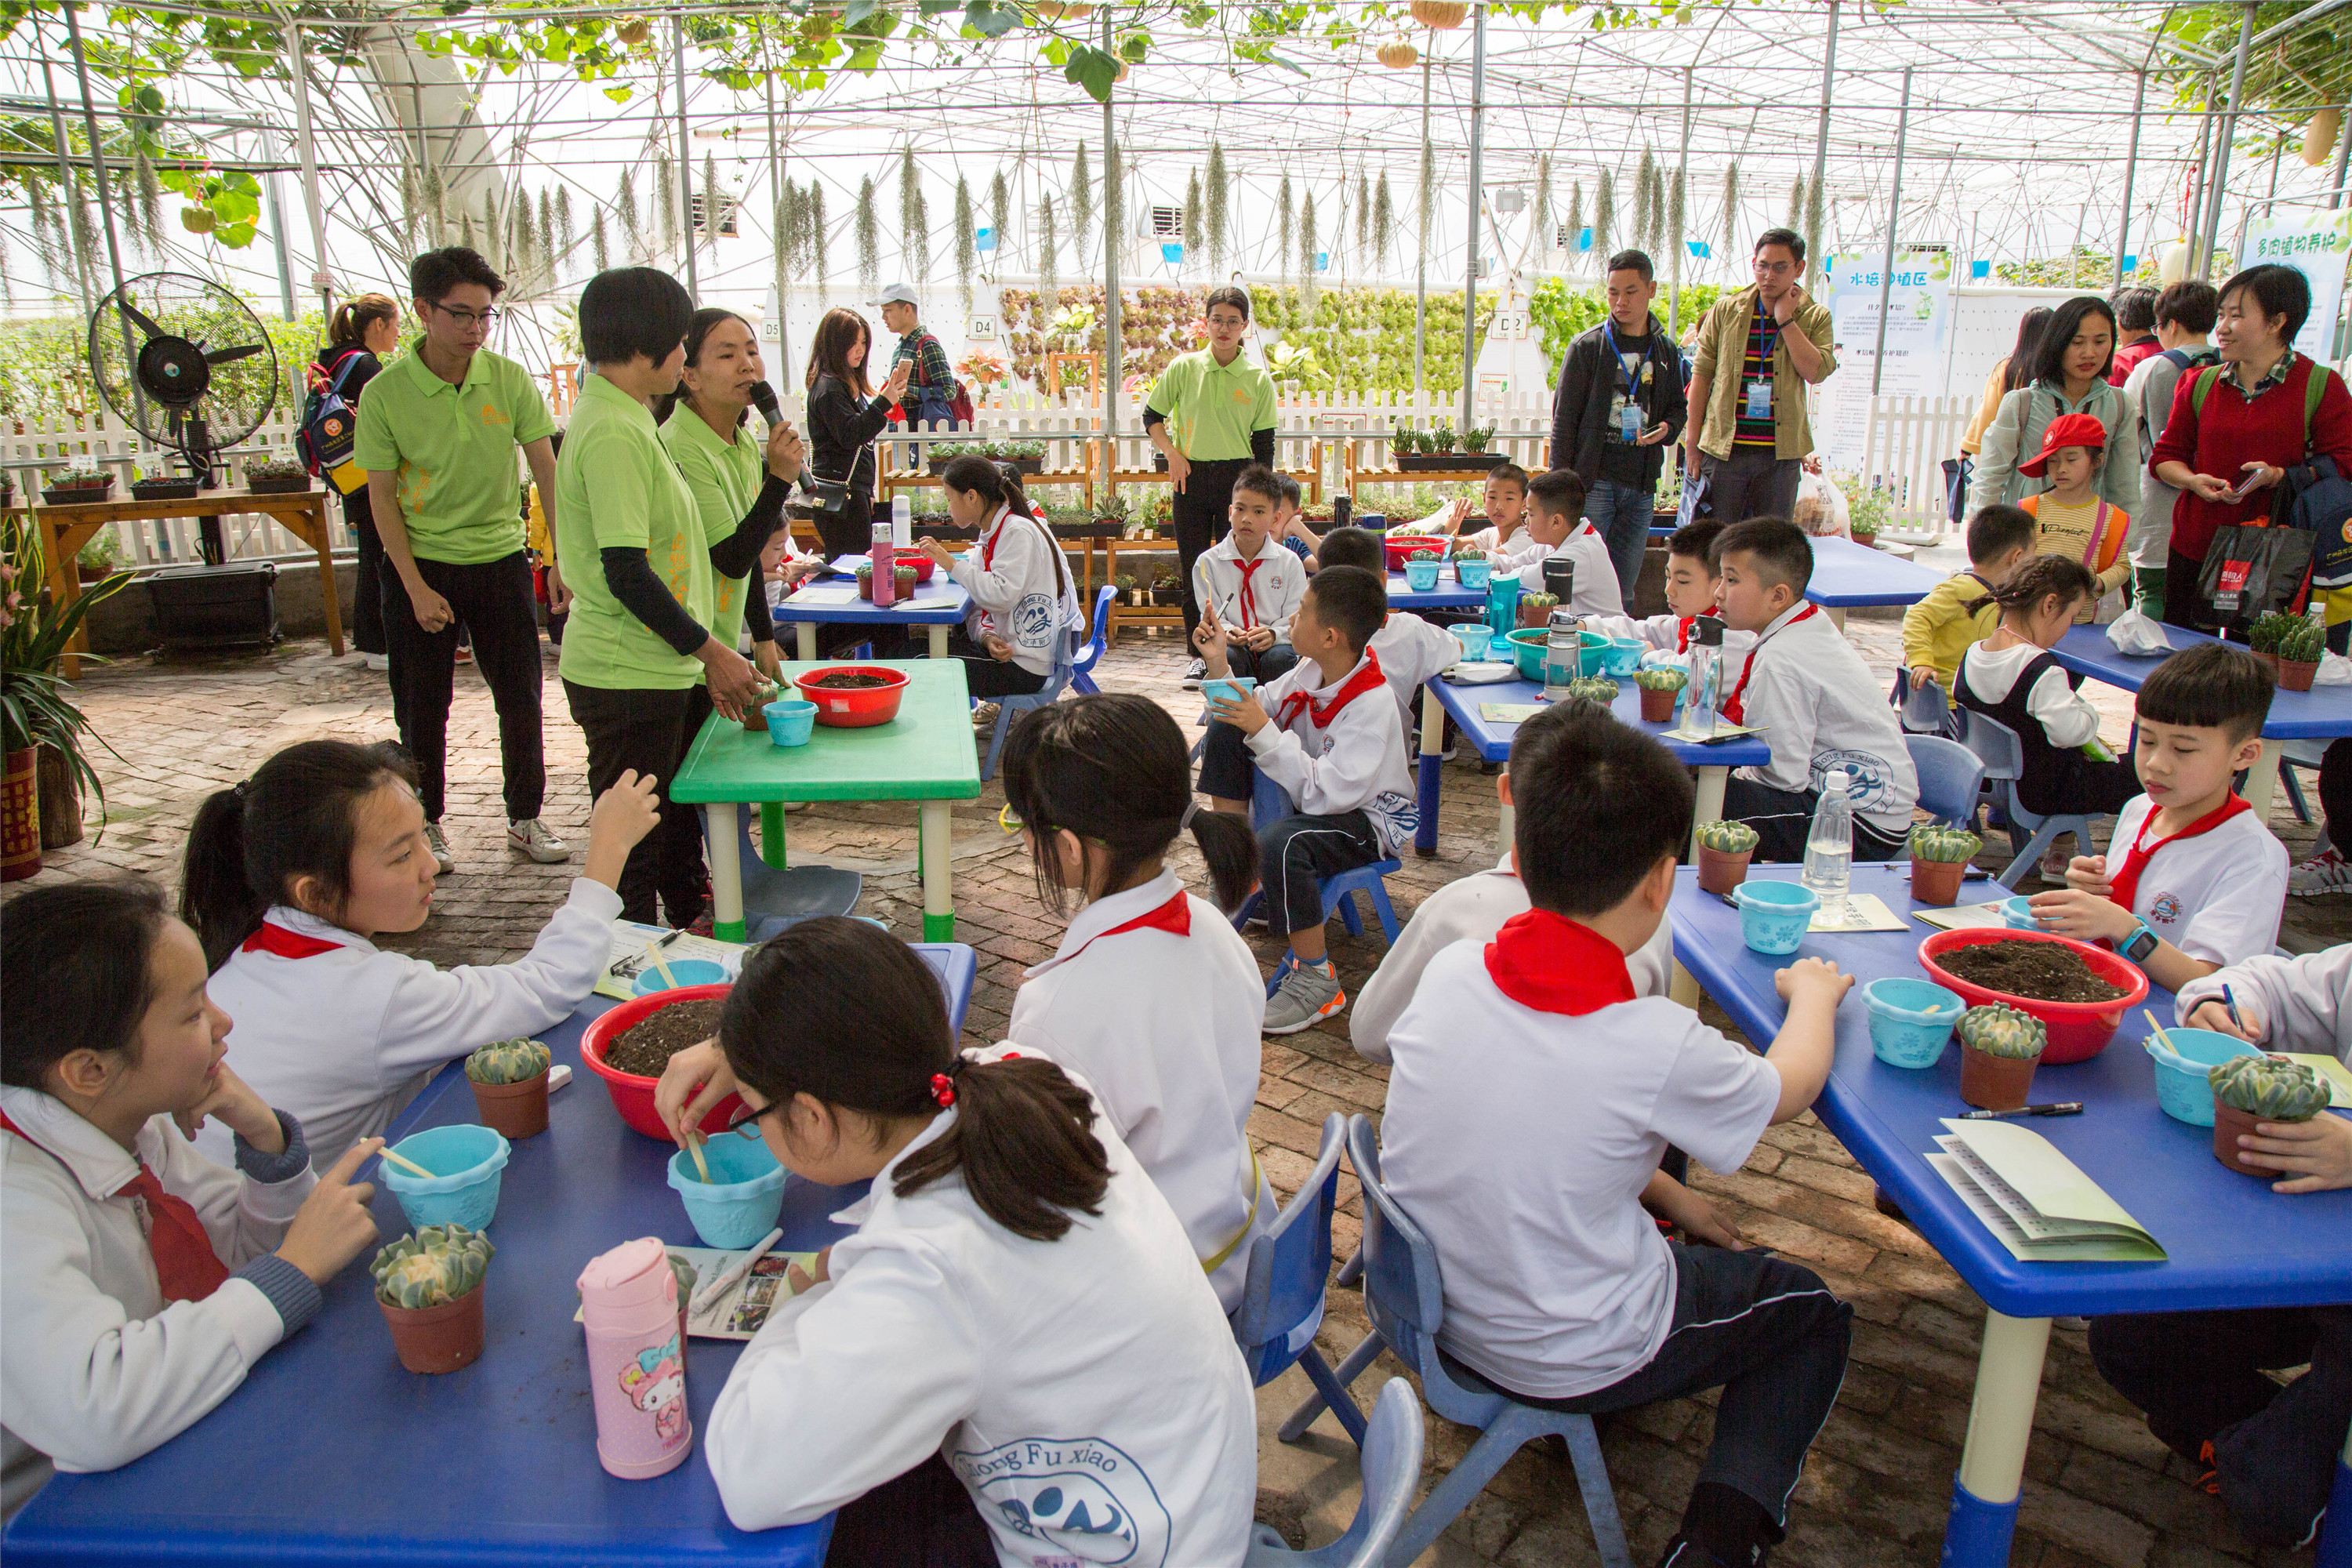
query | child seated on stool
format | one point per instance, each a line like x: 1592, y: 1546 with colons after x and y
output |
x: 2268, y: 1450
x: 2193, y: 878
x: 1248, y: 586
x: 1817, y: 703
x: 1531, y: 1098
x: 1340, y: 760
x: 1411, y: 650
x: 1690, y: 594
x: 2012, y: 675
x: 1556, y: 527
x: 1956, y: 614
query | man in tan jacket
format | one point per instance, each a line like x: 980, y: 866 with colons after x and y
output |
x: 1758, y: 352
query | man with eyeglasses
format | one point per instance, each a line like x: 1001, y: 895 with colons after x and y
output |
x: 438, y: 434
x: 1758, y: 352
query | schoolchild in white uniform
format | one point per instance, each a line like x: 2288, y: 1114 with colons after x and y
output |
x: 1691, y: 587
x: 1818, y: 704
x: 1016, y: 1358
x: 1022, y: 605
x: 291, y: 875
x: 142, y: 1280
x: 2012, y: 677
x: 1557, y: 528
x: 1505, y: 498
x: 1248, y: 583
x: 1340, y: 758
x: 1152, y: 997
x: 1531, y: 1097
x: 2194, y: 879
x: 1410, y: 649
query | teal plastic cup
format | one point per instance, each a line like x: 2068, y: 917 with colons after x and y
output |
x: 1773, y: 915
x: 1910, y: 1020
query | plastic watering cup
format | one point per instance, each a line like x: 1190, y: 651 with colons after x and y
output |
x: 791, y: 722
x: 1421, y: 576
x: 1474, y: 639
x: 740, y: 1203
x: 466, y: 1161
x: 1773, y: 915
x: 689, y: 971
x: 1910, y: 1020
x: 2017, y: 914
x: 1623, y: 656
x: 1473, y: 574
x: 2182, y: 1090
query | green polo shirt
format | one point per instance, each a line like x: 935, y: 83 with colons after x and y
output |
x: 1213, y: 409
x: 453, y: 449
x: 724, y: 478
x: 616, y: 485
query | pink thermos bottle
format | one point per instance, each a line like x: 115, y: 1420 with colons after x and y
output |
x: 636, y: 1359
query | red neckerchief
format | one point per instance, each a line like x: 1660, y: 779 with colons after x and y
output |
x: 1682, y: 632
x: 1248, y: 600
x: 1553, y: 965
x: 1732, y: 709
x: 2125, y: 883
x: 186, y: 1267
x: 1368, y: 677
x: 281, y: 942
x: 1175, y: 917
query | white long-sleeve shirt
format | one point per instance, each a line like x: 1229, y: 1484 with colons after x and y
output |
x: 341, y: 1034
x: 1411, y: 650
x: 1087, y: 1391
x: 1819, y: 708
x: 1277, y: 580
x: 1020, y: 589
x: 1167, y: 1028
x: 2303, y: 1004
x: 1352, y: 759
x: 1668, y: 633
x: 2067, y: 715
x: 1597, y: 593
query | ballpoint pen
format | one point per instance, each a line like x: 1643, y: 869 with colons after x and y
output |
x: 2060, y: 1107
x: 2230, y: 1001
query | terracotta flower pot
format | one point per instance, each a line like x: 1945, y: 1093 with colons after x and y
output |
x: 433, y: 1340
x: 513, y: 1110
x: 1936, y: 881
x: 2295, y: 675
x: 1658, y: 705
x: 866, y: 586
x: 1719, y: 872
x: 2269, y: 661
x: 20, y: 816
x: 1995, y: 1083
x: 755, y: 717
x: 2228, y: 1121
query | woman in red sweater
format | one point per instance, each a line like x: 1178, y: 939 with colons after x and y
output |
x: 2225, y: 459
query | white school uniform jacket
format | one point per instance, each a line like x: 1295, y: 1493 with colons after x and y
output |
x: 1350, y: 758
x: 1411, y: 650
x: 1820, y: 708
x: 1087, y: 1391
x: 1165, y: 1024
x: 95, y: 1369
x: 1020, y: 589
x: 1472, y: 908
x: 1668, y: 633
x: 1597, y: 592
x: 2301, y: 1003
x: 341, y: 1034
x: 1263, y: 591
x: 2067, y: 717
x: 2216, y: 897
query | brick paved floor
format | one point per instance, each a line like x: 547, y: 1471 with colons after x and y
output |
x: 2099, y: 1489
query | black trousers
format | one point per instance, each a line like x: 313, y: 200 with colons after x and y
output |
x: 2336, y: 794
x: 1751, y: 482
x: 1204, y: 510
x: 1296, y: 854
x: 985, y: 676
x: 493, y: 601
x: 2198, y: 1377
x: 2182, y: 604
x: 924, y: 1518
x: 641, y: 730
x: 367, y: 588
x: 1783, y: 818
x: 850, y: 530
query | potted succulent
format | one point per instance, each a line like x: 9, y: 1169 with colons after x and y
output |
x: 1594, y: 688
x: 276, y: 479
x: 1168, y: 587
x: 755, y: 712
x: 1939, y: 858
x: 2263, y: 635
x: 1421, y: 569
x: 1661, y: 689
x: 78, y: 487
x: 1441, y: 438
x: 1026, y: 457
x: 1475, y: 437
x: 429, y: 1287
x: 1535, y: 609
x: 2249, y: 1090
x: 1128, y: 593
x: 2299, y: 647
x: 165, y: 487
x: 1472, y: 567
x: 939, y: 454
x: 1724, y: 848
x: 865, y: 580
x: 100, y: 558
x: 2000, y: 1047
x: 510, y: 1082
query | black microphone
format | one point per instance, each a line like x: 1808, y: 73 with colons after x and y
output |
x: 763, y: 398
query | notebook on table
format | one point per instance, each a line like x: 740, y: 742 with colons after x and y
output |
x: 2034, y: 1200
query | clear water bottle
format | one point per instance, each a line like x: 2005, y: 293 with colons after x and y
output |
x: 886, y: 566
x: 1562, y: 653
x: 1705, y: 687
x: 1829, y: 848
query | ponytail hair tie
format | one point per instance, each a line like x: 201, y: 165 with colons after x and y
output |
x: 242, y: 788
x: 943, y: 1090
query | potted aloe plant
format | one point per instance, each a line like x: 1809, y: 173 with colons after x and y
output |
x: 1723, y: 849
x: 1661, y: 689
x: 429, y: 1287
x: 2250, y: 1090
x: 1939, y: 858
x: 509, y: 1081
x: 1535, y: 609
x: 2002, y: 1047
x: 2299, y: 646
x: 1593, y: 689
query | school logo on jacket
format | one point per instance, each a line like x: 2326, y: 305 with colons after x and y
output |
x: 1866, y: 772
x: 2166, y: 909
x: 1084, y: 1500
x: 1032, y: 621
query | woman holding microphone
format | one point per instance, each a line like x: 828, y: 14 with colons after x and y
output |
x: 845, y: 413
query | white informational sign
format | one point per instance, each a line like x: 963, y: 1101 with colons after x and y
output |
x: 1918, y: 314
x: 2313, y: 243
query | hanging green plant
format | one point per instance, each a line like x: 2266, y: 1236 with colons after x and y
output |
x: 1730, y: 209
x: 1219, y: 216
x: 437, y: 201
x: 412, y: 205
x: 1192, y: 220
x: 551, y: 245
x: 1676, y: 201
x: 151, y: 201
x: 1604, y: 215
x: 1306, y: 251
x: 1541, y: 228
x: 868, y: 229
x: 598, y: 250
x: 913, y: 219
x: 565, y: 234
x: 966, y: 251
x: 1575, y: 224
x: 494, y: 231
x: 1081, y: 195
x: 714, y: 201
x: 1384, y: 222
x: 1645, y: 213
x: 1048, y: 259
x: 1796, y: 203
x: 1285, y: 223
x: 1363, y: 217
x: 1425, y: 198
x: 1813, y: 218
x: 1000, y: 215
x: 666, y: 213
x: 633, y: 221
x: 816, y: 231
x: 1114, y: 198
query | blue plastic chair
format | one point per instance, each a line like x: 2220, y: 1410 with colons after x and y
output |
x: 1950, y: 779
x: 2296, y: 754
x: 1996, y: 746
x: 1406, y: 1302
x: 1269, y: 802
x: 1391, y: 1464
x: 1045, y: 696
x: 2335, y: 1531
x: 1289, y: 1265
x: 1082, y: 667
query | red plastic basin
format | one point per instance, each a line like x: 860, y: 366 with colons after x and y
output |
x: 633, y: 1096
x: 923, y: 564
x: 857, y: 707
x: 2078, y: 1030
x: 1401, y: 546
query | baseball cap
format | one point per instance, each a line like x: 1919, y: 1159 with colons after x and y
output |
x: 897, y: 294
x: 2066, y: 431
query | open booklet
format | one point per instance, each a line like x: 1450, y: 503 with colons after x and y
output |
x: 741, y: 1310
x: 629, y: 960
x: 2332, y: 1072
x: 2036, y: 1201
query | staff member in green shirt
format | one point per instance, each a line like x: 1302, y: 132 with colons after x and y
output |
x: 1210, y: 413
x: 438, y: 434
x: 629, y: 539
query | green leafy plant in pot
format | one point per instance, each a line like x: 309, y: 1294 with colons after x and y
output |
x: 1724, y: 850
x: 2299, y: 647
x: 1661, y: 689
x: 1939, y: 860
x: 510, y: 1083
x: 2003, y: 1047
x: 429, y: 1288
x: 2250, y: 1090
x: 42, y: 728
x: 2262, y: 633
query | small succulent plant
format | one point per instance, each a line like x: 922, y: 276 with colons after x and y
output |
x: 2299, y: 644
x: 508, y: 1061
x: 2264, y: 632
x: 1424, y: 556
x: 79, y: 478
x: 437, y: 1265
x: 2271, y: 1087
x: 1727, y: 838
x: 277, y: 470
x: 1546, y: 603
x: 1475, y: 437
x: 1405, y: 441
x: 1945, y: 845
x: 686, y: 1276
x: 1665, y: 677
x: 1999, y: 1030
x: 865, y: 569
x: 904, y: 574
x: 1470, y: 553
x: 1597, y: 688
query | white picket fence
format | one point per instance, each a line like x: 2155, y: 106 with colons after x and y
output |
x: 1904, y: 445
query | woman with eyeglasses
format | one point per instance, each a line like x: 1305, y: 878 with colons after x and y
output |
x: 845, y: 414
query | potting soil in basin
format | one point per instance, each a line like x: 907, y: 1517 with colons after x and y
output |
x: 848, y: 682
x: 646, y: 1046
x: 2040, y: 969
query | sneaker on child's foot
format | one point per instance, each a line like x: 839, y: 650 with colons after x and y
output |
x: 984, y: 715
x: 1310, y: 993
x: 439, y: 847
x: 530, y: 836
x: 2325, y: 872
x: 1194, y: 673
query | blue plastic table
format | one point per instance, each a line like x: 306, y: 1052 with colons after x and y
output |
x: 937, y: 605
x: 1846, y: 575
x: 1493, y: 740
x: 1449, y: 594
x: 2323, y: 712
x: 2230, y: 1241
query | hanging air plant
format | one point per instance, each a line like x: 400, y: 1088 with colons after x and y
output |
x: 599, y: 249
x: 46, y: 233
x: 437, y: 201
x: 493, y: 232
x: 1363, y: 216
x: 665, y: 204
x: 150, y: 202
x: 550, y: 245
x: 967, y: 244
x: 1081, y: 197
x: 1604, y: 215
x: 84, y: 236
x: 868, y: 229
x: 1730, y: 209
x: 1797, y: 203
x: 714, y: 202
x: 1219, y: 216
x: 1193, y: 219
x: 1284, y: 223
x: 816, y: 231
x: 1541, y: 228
x: 412, y: 205
x: 1114, y: 195
x: 1425, y: 200
x: 1658, y: 236
x: 1677, y: 209
x: 464, y: 231
x: 633, y: 224
x: 1049, y: 293
x: 1813, y: 219
x: 1575, y: 224
x: 1645, y: 213
x: 783, y: 223
x: 914, y: 218
x: 1000, y: 215
x: 1383, y: 221
x: 1306, y: 251
x: 565, y: 234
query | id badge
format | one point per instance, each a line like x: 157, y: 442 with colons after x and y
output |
x: 1760, y: 400
x: 1629, y: 422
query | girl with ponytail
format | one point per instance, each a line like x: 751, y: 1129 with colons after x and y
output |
x: 1015, y: 1282
x: 367, y: 326
x: 1023, y: 606
x: 2012, y: 675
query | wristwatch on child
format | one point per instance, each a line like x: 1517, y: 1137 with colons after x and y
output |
x: 2142, y: 942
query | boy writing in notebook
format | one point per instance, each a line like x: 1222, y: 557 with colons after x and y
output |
x: 1556, y: 528
x: 1248, y: 586
x: 1941, y: 626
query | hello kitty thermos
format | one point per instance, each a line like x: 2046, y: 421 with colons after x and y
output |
x: 636, y: 1359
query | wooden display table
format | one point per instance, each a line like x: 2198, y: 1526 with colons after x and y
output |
x: 1122, y: 614
x: 1359, y: 475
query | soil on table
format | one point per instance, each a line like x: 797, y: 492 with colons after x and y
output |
x: 846, y: 682
x: 2041, y: 971
x: 646, y: 1046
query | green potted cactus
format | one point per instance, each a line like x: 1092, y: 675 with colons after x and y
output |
x: 2001, y: 1048
x: 1724, y: 848
x: 1125, y: 584
x: 1535, y: 609
x: 429, y: 1288
x: 1594, y: 688
x: 510, y: 1082
x: 1661, y: 689
x: 2250, y: 1090
x: 1939, y: 858
x: 2263, y: 635
x: 2299, y: 647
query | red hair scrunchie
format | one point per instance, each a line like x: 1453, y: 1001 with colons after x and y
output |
x: 943, y: 1090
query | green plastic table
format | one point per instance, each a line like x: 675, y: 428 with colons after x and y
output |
x: 926, y: 754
